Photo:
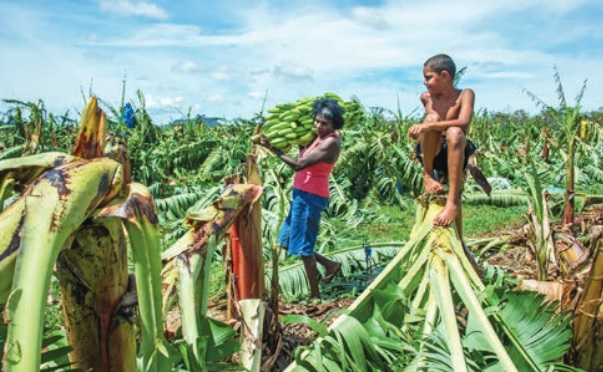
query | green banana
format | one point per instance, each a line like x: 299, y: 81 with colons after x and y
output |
x: 307, y: 138
x: 292, y: 124
x: 280, y: 143
x: 300, y: 131
x: 278, y: 127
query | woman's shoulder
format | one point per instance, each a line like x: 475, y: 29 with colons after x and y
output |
x: 331, y: 138
x: 332, y: 143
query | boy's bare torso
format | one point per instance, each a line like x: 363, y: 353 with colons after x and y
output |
x: 447, y: 108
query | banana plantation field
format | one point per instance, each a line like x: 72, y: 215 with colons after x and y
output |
x: 131, y: 245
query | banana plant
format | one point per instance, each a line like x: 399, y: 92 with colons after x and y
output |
x: 85, y: 188
x: 540, y: 234
x: 51, y: 210
x: 408, y: 318
x: 185, y: 276
x: 586, y: 343
x: 567, y: 119
x: 53, y: 214
x: 292, y: 282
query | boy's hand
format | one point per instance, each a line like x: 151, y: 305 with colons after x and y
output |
x: 415, y: 131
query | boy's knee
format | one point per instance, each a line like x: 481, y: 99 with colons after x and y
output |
x: 455, y: 135
x: 432, y: 117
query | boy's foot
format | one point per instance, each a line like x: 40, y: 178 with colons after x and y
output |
x: 447, y: 216
x: 431, y: 185
x: 331, y: 273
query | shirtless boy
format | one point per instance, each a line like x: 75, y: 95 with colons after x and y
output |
x: 448, y: 112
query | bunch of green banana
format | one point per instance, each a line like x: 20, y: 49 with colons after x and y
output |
x: 291, y: 124
x: 354, y: 113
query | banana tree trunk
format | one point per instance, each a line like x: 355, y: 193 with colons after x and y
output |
x: 588, y: 324
x: 248, y: 272
x: 246, y: 233
x: 56, y: 205
x: 213, y: 221
x: 568, y: 209
x: 93, y: 274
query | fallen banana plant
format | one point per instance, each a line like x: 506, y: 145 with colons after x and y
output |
x: 82, y: 211
x: 429, y: 310
x: 185, y: 275
x: 55, y: 205
x: 589, y: 314
x: 292, y: 279
x: 211, y: 221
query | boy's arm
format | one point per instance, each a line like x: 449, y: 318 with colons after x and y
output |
x: 415, y: 130
x: 463, y: 119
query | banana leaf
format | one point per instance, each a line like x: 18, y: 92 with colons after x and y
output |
x: 433, y: 305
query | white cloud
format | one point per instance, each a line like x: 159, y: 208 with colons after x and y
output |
x: 220, y: 73
x: 290, y: 70
x: 214, y: 98
x: 256, y: 94
x: 124, y: 8
x: 187, y: 67
x: 370, y: 16
x: 373, y: 52
x: 153, y: 102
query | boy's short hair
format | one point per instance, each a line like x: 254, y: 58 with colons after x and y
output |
x: 330, y: 109
x: 441, y: 62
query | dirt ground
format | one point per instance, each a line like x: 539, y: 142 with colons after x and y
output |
x: 290, y: 335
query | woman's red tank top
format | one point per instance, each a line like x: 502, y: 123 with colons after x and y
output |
x: 315, y: 178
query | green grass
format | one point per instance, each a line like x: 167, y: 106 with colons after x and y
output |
x: 393, y: 223
x: 487, y: 220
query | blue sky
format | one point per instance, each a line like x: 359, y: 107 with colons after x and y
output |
x: 221, y: 58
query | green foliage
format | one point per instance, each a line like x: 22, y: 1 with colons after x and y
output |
x: 356, y: 269
x: 55, y: 350
x: 372, y: 187
x: 219, y: 341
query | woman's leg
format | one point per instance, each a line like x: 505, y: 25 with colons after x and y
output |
x: 331, y: 267
x: 312, y: 272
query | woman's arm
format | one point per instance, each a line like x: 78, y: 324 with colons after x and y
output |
x: 327, y: 151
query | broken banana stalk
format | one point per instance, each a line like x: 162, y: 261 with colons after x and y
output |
x: 211, y: 221
x: 98, y: 299
x: 54, y: 206
x: 137, y: 211
x: 20, y: 172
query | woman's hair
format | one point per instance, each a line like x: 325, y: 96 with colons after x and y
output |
x: 441, y: 62
x: 330, y: 109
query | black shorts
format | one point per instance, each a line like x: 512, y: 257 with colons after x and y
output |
x: 440, y: 161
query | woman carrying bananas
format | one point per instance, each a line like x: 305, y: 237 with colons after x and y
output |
x: 311, y: 191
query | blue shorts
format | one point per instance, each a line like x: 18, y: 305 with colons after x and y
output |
x: 300, y: 229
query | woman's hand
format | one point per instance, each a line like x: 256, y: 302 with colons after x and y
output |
x: 264, y: 142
